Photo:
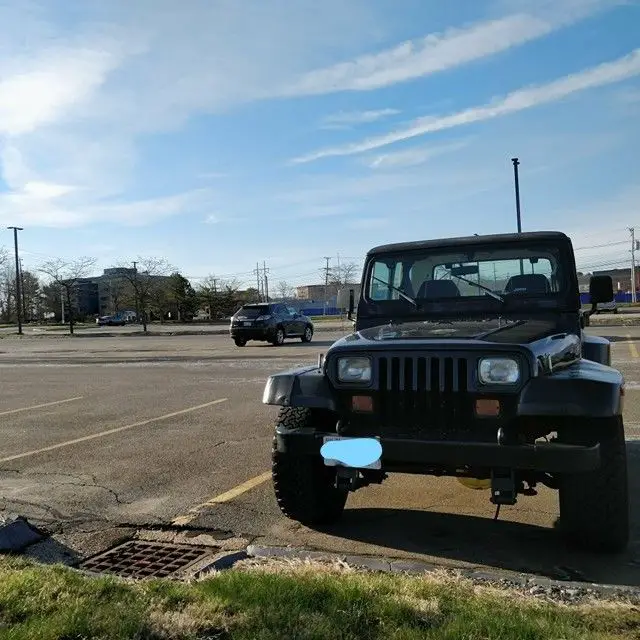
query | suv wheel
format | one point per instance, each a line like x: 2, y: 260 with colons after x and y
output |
x: 240, y: 342
x: 279, y: 337
x: 308, y: 334
x: 594, y: 506
x: 303, y: 485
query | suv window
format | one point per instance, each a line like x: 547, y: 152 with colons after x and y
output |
x: 253, y: 310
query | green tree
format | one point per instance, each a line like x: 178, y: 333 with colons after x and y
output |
x: 184, y: 296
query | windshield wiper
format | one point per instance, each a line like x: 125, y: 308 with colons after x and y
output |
x: 399, y: 291
x: 480, y: 286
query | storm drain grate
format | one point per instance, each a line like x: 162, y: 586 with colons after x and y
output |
x: 141, y: 559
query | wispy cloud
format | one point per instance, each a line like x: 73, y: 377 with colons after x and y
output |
x: 346, y: 119
x: 414, y: 156
x: 56, y: 206
x: 437, y: 52
x: 601, y: 75
x: 414, y: 59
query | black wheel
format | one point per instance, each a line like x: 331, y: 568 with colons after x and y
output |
x: 594, y: 506
x: 308, y: 334
x: 278, y: 340
x: 240, y: 342
x: 303, y: 485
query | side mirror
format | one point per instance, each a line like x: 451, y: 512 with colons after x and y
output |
x: 351, y: 304
x: 600, y: 290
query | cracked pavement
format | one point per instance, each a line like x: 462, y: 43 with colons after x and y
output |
x: 93, y: 493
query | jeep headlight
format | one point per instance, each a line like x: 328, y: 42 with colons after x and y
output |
x: 354, y: 369
x: 498, y: 371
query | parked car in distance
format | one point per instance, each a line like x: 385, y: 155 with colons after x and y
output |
x: 111, y: 321
x: 269, y: 322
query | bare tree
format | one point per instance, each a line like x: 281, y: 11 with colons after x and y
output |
x: 284, y: 289
x: 344, y: 274
x: 146, y: 280
x: 66, y: 274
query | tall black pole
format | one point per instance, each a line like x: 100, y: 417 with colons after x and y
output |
x: 517, y: 184
x: 18, y: 287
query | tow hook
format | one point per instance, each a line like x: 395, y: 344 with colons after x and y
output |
x: 503, y: 487
x: 349, y: 479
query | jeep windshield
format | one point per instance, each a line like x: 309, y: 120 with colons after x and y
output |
x: 490, y: 278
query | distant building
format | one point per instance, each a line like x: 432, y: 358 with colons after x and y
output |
x: 316, y: 291
x: 107, y: 294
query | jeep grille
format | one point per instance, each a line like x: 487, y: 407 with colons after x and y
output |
x: 425, y: 394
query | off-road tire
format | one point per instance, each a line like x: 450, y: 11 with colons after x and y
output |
x: 307, y: 335
x: 278, y: 339
x: 594, y: 506
x: 303, y: 485
x: 240, y: 342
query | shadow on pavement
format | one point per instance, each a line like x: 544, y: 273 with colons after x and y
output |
x: 292, y: 343
x: 500, y: 544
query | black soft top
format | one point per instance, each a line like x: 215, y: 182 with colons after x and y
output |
x: 500, y: 238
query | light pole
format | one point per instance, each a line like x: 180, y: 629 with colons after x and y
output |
x: 18, y: 287
x: 516, y: 162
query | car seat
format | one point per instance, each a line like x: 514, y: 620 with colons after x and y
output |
x: 438, y: 289
x: 528, y: 283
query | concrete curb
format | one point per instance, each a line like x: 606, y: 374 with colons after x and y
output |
x: 88, y: 333
x: 16, y: 534
x: 389, y: 565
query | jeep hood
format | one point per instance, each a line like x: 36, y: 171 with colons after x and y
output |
x: 492, y: 330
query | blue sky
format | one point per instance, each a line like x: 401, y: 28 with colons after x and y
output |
x: 217, y: 133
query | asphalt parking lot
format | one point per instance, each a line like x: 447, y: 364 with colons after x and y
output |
x: 104, y: 435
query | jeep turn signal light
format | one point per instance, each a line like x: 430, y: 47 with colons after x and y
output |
x: 487, y: 408
x: 363, y: 404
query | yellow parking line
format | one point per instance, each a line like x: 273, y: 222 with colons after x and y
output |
x: 39, y: 406
x: 632, y: 347
x: 223, y: 497
x: 101, y: 434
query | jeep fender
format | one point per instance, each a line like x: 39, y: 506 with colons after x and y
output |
x: 303, y: 387
x: 584, y: 389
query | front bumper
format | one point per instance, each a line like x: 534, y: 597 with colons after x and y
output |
x: 407, y: 455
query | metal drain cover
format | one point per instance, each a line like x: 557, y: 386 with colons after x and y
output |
x: 142, y: 559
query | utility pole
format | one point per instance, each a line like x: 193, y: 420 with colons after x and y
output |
x: 266, y: 281
x: 18, y: 287
x: 326, y: 285
x: 633, y: 264
x: 61, y: 305
x: 257, y: 272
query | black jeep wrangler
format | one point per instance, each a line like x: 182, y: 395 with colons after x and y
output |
x: 468, y: 359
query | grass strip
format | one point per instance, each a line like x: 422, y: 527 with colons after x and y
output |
x: 289, y: 600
